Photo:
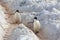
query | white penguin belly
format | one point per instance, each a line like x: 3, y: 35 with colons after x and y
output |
x: 36, y: 26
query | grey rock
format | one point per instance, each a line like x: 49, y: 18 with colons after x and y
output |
x: 22, y: 33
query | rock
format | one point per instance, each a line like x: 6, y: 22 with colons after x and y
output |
x: 47, y: 12
x: 1, y: 33
x: 25, y: 6
x: 22, y: 33
x: 2, y: 18
x: 50, y: 22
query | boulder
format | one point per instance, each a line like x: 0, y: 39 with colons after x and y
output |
x: 22, y: 33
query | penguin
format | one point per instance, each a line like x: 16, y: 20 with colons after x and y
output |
x: 36, y: 25
x: 17, y: 16
x: 14, y: 18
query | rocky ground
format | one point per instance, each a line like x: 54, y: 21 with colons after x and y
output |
x: 47, y: 12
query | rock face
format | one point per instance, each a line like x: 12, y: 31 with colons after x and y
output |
x: 3, y: 23
x: 48, y: 14
x: 1, y: 33
x: 22, y: 33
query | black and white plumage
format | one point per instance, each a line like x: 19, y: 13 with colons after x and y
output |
x: 36, y: 25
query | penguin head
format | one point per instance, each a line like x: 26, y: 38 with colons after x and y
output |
x: 35, y: 18
x: 17, y: 10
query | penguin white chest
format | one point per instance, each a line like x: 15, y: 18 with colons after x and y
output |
x: 37, y: 26
x: 18, y: 17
